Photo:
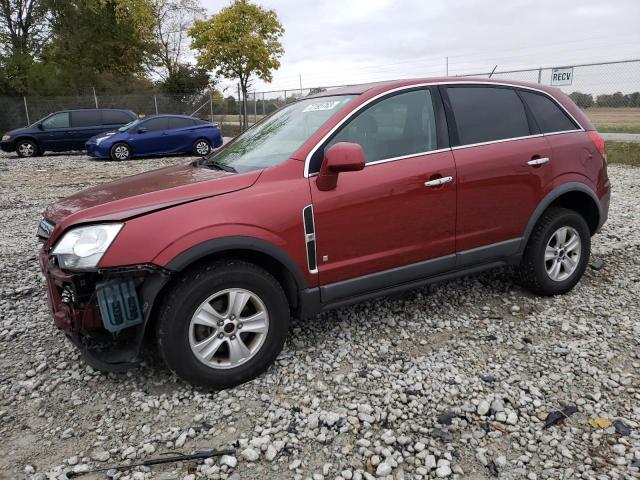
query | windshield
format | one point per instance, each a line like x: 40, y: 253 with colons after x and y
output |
x: 274, y: 139
x: 126, y: 127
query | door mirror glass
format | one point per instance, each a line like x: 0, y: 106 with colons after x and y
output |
x: 341, y: 157
x: 142, y: 130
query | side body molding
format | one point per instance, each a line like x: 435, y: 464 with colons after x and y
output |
x: 223, y: 244
x: 549, y: 199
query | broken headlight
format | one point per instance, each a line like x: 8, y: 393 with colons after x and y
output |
x: 82, y: 248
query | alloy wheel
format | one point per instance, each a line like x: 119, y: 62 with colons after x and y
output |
x: 202, y: 147
x: 228, y: 328
x: 121, y: 152
x: 562, y: 253
x: 26, y: 149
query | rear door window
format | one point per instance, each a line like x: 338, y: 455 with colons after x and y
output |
x: 57, y: 120
x: 397, y: 126
x: 115, y: 117
x: 175, y: 122
x: 549, y: 116
x: 86, y: 118
x: 486, y: 114
x: 155, y: 124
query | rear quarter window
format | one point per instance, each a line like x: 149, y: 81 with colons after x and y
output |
x: 115, y: 117
x: 485, y: 114
x: 549, y: 116
x: 181, y: 122
x: 86, y: 118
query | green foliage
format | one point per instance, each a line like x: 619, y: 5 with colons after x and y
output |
x: 623, y: 152
x: 186, y: 80
x: 242, y: 40
x: 619, y: 99
x: 583, y: 100
x: 99, y: 42
x: 270, y: 108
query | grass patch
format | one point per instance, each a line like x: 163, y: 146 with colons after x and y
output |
x: 617, y: 129
x: 626, y: 153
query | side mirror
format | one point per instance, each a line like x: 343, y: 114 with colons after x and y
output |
x: 341, y: 157
x: 142, y: 130
x: 39, y: 126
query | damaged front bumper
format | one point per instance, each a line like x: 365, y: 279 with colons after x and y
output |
x: 104, y: 313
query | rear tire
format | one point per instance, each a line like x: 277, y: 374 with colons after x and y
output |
x: 27, y: 149
x: 557, y: 253
x: 201, y: 147
x: 223, y: 323
x: 120, y: 152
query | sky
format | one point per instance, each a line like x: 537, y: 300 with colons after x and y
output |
x: 338, y: 42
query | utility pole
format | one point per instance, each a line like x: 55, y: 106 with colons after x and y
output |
x: 447, y: 64
x: 300, y: 84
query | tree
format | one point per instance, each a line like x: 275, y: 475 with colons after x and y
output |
x: 583, y: 100
x: 23, y: 27
x: 101, y: 43
x: 241, y: 41
x: 172, y: 20
x: 24, y: 30
x: 186, y: 80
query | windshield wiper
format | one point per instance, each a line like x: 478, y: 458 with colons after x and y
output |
x: 219, y: 166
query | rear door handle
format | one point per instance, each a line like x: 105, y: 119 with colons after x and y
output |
x: 438, y: 181
x: 538, y: 161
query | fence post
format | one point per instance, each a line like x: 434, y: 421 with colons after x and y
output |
x: 211, y: 104
x: 26, y: 110
x: 155, y: 101
x: 255, y: 107
x: 540, y: 75
x: 95, y: 98
x: 240, y: 109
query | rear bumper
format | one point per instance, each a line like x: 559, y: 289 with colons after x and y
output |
x: 8, y: 146
x: 605, y: 200
x: 73, y: 304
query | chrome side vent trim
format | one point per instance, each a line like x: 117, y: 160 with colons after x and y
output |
x: 310, y: 238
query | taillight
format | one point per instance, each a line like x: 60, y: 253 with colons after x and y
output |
x: 598, y: 141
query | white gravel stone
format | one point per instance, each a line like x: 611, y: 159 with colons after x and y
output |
x: 365, y: 383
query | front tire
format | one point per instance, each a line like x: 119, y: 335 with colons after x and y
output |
x: 201, y: 147
x: 120, y: 152
x: 27, y: 149
x: 557, y: 253
x: 223, y: 324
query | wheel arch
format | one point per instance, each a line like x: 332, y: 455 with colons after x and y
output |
x: 33, y: 139
x: 270, y: 257
x: 575, y: 196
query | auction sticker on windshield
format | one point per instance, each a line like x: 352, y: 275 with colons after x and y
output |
x: 316, y: 107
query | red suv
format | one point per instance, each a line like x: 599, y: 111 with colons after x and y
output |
x: 337, y: 198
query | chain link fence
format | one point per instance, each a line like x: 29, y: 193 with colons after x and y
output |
x: 609, y: 93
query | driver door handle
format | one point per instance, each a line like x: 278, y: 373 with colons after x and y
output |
x: 538, y: 161
x: 438, y: 181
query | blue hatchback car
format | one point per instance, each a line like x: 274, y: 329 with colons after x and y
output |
x: 156, y: 135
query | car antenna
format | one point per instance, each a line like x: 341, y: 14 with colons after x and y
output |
x: 198, y: 454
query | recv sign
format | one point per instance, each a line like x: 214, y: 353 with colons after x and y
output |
x: 562, y: 76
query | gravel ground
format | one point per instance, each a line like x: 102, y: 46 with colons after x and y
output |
x: 454, y: 380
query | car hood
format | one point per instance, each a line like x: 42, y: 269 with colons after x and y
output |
x: 18, y: 131
x: 144, y: 193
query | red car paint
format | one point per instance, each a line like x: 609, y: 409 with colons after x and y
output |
x: 375, y: 220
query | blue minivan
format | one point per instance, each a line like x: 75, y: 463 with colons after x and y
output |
x: 63, y: 131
